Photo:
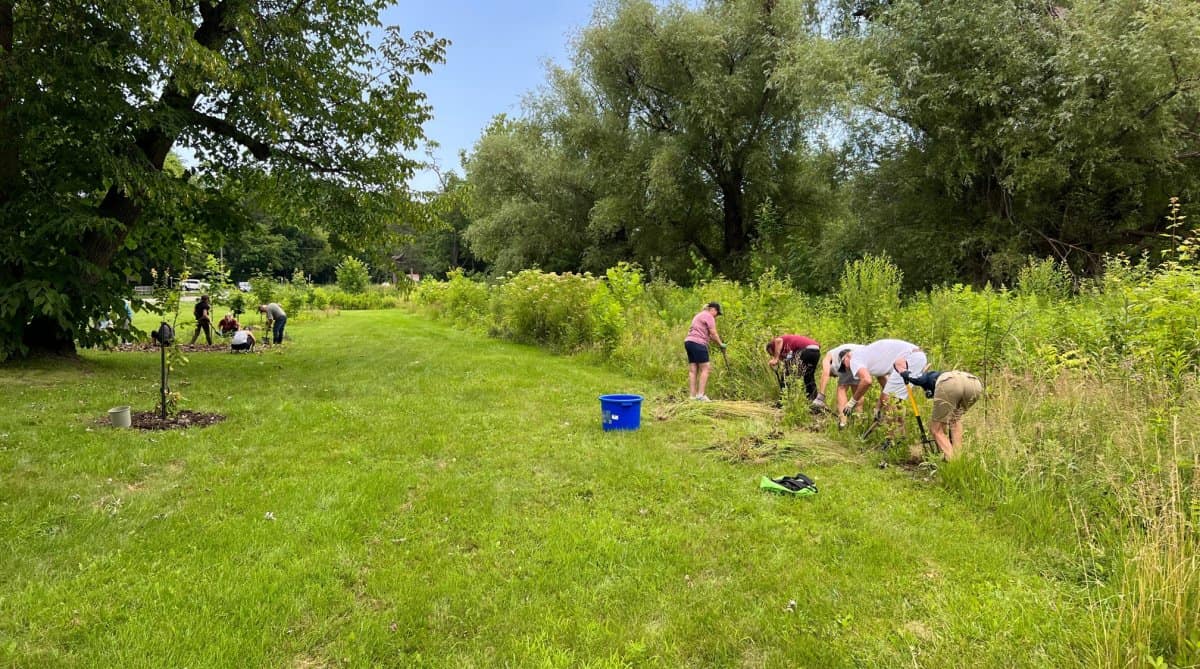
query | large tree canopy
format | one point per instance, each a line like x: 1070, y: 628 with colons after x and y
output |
x: 310, y: 102
x: 963, y: 136
x: 673, y: 127
x: 1001, y: 129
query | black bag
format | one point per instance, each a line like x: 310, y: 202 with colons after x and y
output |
x: 164, y: 335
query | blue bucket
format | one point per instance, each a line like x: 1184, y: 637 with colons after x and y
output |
x: 621, y: 412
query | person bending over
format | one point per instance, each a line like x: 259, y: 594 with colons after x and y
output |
x: 799, y: 356
x: 845, y: 381
x: 953, y: 392
x: 276, y: 318
x: 878, y: 361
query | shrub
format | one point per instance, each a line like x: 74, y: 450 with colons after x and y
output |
x: 317, y: 298
x: 1045, y: 279
x: 869, y: 295
x: 546, y: 308
x: 293, y: 301
x: 353, y: 275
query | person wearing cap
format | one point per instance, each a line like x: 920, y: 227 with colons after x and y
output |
x: 702, y: 331
x: 845, y: 381
x: 953, y: 392
x: 878, y: 360
x: 799, y: 355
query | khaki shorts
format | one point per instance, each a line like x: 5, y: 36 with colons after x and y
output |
x: 954, y: 394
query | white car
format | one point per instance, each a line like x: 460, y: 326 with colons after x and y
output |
x: 193, y: 284
x: 244, y: 286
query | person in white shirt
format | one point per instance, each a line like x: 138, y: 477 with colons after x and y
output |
x: 845, y: 381
x: 877, y: 361
x: 243, y: 340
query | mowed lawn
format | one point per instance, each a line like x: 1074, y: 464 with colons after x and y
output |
x: 392, y: 492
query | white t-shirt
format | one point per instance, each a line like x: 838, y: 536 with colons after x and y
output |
x: 241, y: 337
x: 878, y: 357
x: 836, y: 351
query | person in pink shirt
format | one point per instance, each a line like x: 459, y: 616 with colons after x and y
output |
x: 703, y: 331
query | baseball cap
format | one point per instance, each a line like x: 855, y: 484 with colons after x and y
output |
x: 714, y: 305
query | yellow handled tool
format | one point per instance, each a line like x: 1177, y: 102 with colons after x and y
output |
x: 912, y: 400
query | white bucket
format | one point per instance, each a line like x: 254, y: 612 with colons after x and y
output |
x: 119, y: 416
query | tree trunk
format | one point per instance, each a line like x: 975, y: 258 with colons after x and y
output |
x: 44, y: 336
x: 736, y: 235
x: 10, y: 168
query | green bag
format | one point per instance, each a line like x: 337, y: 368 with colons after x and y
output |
x: 798, y: 485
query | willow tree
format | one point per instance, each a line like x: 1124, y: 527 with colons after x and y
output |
x: 310, y: 103
x: 1018, y: 127
x: 672, y: 127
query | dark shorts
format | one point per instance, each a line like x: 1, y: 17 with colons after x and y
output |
x: 697, y: 353
x: 242, y: 347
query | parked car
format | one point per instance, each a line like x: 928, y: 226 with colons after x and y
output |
x: 193, y: 284
x: 244, y: 286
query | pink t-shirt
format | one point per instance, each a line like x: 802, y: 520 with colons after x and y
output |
x: 704, y: 328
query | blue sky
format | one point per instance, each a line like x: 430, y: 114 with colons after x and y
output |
x: 496, y: 57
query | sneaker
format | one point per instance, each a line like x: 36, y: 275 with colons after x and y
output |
x: 702, y: 398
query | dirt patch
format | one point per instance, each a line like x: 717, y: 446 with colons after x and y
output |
x: 149, y: 420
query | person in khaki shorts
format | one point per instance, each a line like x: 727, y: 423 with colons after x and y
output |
x: 953, y: 393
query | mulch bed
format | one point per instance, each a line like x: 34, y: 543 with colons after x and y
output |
x: 147, y: 347
x: 149, y: 420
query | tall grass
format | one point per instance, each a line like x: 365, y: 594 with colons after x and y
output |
x: 1083, y: 445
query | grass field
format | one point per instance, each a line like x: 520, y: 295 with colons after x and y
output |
x: 388, y: 491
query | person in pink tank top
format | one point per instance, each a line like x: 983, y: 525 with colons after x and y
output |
x: 702, y: 331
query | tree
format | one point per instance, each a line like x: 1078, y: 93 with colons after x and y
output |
x: 997, y: 130
x: 441, y: 247
x: 672, y: 128
x: 94, y: 95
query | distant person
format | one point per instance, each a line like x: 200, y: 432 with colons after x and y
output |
x: 953, y: 392
x: 702, y: 331
x: 203, y: 313
x: 878, y: 361
x: 127, y: 324
x: 845, y: 381
x: 276, y: 318
x: 228, y: 325
x: 243, y: 340
x: 799, y: 356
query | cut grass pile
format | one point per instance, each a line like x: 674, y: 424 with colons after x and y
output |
x: 390, y: 492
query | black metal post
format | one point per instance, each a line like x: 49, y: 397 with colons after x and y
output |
x: 162, y: 348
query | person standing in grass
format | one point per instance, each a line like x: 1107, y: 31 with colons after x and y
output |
x: 953, y: 393
x: 799, y: 355
x: 276, y: 319
x: 878, y: 360
x: 702, y: 331
x: 845, y: 381
x: 203, y: 313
